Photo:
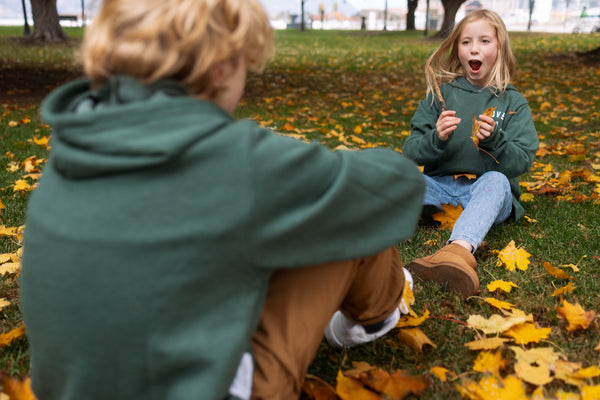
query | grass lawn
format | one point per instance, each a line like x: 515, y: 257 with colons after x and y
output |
x: 360, y: 90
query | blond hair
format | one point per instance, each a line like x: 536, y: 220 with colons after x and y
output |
x: 181, y: 40
x: 446, y: 66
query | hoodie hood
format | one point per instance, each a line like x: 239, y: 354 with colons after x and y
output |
x: 125, y: 125
x: 463, y: 83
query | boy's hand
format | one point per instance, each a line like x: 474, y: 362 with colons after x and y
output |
x: 486, y: 128
x: 446, y: 124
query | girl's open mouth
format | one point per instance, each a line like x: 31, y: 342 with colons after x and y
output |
x: 475, y: 66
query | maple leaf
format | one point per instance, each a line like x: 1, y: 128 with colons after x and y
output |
x: 317, y: 389
x: 513, y: 257
x: 499, y: 304
x: 491, y: 362
x: 557, y: 273
x: 440, y: 373
x: 501, y: 285
x: 487, y: 343
x: 498, y: 324
x: 590, y: 392
x: 21, y: 186
x: 348, y: 389
x: 448, y: 216
x: 493, y: 387
x: 565, y: 289
x: 12, y: 335
x: 4, y: 303
x: 575, y: 315
x: 410, y: 321
x: 394, y: 386
x: 16, y: 389
x: 527, y: 333
x: 415, y: 338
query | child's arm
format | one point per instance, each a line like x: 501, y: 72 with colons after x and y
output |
x: 430, y: 130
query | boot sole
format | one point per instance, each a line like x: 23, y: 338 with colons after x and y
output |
x: 455, y: 278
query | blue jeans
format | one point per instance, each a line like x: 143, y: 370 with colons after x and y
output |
x: 486, y: 201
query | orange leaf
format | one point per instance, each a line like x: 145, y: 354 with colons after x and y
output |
x: 557, y: 273
x: 565, y: 289
x: 16, y: 390
x: 351, y: 389
x: 575, y: 315
x: 317, y: 389
x: 477, y: 124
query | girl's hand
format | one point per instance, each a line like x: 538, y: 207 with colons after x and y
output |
x: 446, y: 124
x: 486, y: 128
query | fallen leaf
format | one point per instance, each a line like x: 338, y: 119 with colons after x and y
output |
x: 513, y: 257
x: 499, y: 304
x: 575, y: 315
x: 501, y: 285
x: 555, y: 272
x: 448, y: 216
x: 489, y: 362
x: 565, y: 289
x: 16, y: 389
x: 487, y: 343
x: 440, y: 373
x: 415, y: 338
x: 527, y: 333
x: 12, y: 335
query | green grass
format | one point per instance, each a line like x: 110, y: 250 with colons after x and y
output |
x: 360, y: 90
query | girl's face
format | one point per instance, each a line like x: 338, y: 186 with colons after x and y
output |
x: 477, y: 51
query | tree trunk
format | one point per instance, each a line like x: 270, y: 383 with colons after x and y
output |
x: 46, y: 26
x: 450, y: 9
x: 410, y: 15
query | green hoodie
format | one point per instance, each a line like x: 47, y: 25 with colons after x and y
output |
x: 510, y: 149
x: 155, y: 227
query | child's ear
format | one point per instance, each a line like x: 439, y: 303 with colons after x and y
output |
x: 218, y: 75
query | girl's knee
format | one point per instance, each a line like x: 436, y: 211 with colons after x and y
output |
x: 496, y: 179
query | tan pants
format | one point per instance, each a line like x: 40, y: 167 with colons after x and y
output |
x: 299, y: 305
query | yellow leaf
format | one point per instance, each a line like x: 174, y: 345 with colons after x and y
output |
x: 4, y: 303
x: 415, y: 338
x: 410, y: 321
x: 448, y: 216
x: 526, y: 197
x: 590, y: 392
x: 533, y: 365
x: 502, y: 285
x: 351, y: 389
x: 513, y: 258
x: 439, y: 372
x: 491, y: 362
x: 534, y: 374
x: 527, y: 333
x: 11, y: 336
x: 575, y: 315
x: 21, y: 186
x: 498, y: 324
x: 494, y: 387
x: 358, y: 129
x: 557, y: 273
x: 487, y: 343
x: 12, y: 124
x: 10, y: 268
x: 499, y: 304
x: 565, y: 289
x: 587, y: 373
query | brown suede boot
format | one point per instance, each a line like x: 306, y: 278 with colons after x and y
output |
x: 452, y: 265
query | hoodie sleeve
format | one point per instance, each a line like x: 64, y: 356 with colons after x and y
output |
x: 515, y: 141
x: 313, y: 205
x: 424, y: 145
